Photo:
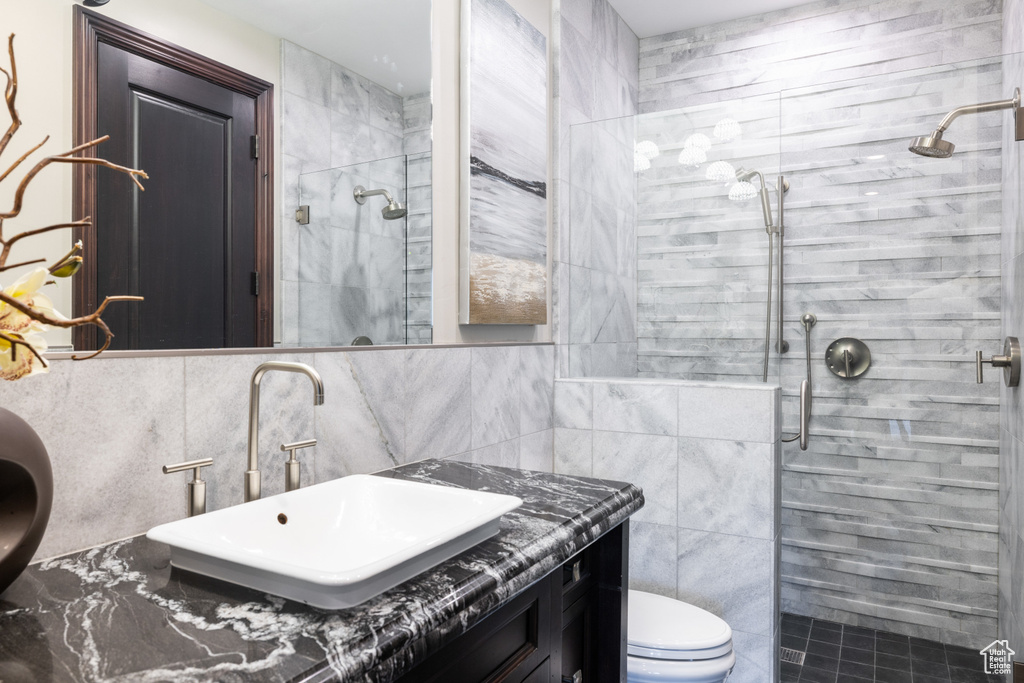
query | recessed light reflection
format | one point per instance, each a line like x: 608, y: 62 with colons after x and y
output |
x: 691, y: 156
x: 875, y: 157
x: 870, y: 194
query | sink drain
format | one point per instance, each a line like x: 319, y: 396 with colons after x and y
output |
x: 282, y: 518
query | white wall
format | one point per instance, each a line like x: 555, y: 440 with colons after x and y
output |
x: 44, y: 53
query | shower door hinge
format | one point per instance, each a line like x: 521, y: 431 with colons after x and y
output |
x: 255, y: 283
x: 254, y: 146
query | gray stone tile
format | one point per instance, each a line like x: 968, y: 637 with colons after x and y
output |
x: 536, y: 451
x: 730, y: 576
x: 502, y: 454
x: 573, y: 452
x: 536, y: 388
x: 361, y: 426
x: 107, y: 424
x: 495, y: 391
x: 350, y: 94
x: 574, y: 404
x: 727, y: 486
x: 652, y: 558
x: 634, y: 407
x: 438, y: 414
x: 645, y: 460
x: 728, y: 413
x: 305, y: 73
x: 306, y: 132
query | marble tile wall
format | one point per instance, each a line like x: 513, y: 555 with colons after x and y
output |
x: 594, y: 270
x: 352, y: 262
x: 707, y: 458
x: 890, y: 518
x: 335, y: 119
x: 109, y: 424
x: 1011, y: 434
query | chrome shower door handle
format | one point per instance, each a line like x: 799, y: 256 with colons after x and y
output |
x: 805, y: 413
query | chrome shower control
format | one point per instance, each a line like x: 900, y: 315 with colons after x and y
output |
x: 848, y: 358
x: 1009, y: 362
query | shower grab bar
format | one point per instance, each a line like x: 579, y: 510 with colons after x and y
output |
x: 806, y: 396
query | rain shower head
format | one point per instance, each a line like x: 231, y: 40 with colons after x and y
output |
x: 932, y: 146
x: 392, y: 211
x: 935, y: 147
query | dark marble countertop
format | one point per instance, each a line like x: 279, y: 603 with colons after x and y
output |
x: 120, y: 612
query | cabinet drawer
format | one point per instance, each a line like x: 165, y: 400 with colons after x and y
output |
x: 577, y: 575
x: 506, y: 647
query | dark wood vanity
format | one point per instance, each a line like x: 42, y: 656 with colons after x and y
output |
x: 549, y: 632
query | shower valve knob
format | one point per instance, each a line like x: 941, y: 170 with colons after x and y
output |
x: 1009, y: 362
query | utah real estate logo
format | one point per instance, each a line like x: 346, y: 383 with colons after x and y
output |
x: 998, y: 658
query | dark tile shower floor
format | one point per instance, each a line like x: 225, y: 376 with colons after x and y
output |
x: 850, y: 654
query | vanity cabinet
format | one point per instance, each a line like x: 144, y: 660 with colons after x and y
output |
x: 568, y: 627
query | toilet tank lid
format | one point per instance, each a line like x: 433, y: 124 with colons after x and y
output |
x: 666, y: 624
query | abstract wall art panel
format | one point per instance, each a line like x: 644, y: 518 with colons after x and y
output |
x: 504, y: 237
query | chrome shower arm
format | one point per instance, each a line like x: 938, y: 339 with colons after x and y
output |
x: 1012, y: 103
x: 361, y: 195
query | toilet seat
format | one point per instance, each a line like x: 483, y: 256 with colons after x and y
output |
x: 665, y: 629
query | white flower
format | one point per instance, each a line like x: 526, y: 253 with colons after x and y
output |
x: 22, y: 362
x: 26, y: 291
x: 16, y: 361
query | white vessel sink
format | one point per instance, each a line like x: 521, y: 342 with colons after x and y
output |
x: 336, y: 544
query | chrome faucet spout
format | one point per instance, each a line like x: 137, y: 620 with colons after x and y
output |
x: 252, y: 472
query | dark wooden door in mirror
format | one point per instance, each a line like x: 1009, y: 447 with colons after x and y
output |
x: 197, y: 243
x: 187, y: 243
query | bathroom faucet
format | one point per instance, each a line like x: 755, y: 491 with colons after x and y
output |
x: 252, y: 473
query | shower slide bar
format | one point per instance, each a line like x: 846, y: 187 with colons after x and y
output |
x: 772, y: 228
x: 808, y: 320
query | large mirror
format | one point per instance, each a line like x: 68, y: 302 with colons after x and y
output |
x: 344, y: 255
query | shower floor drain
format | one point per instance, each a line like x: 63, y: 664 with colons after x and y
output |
x: 793, y: 656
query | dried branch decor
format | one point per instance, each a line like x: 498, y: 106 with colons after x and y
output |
x: 25, y: 313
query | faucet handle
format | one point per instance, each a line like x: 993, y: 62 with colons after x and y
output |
x: 196, y: 487
x: 291, y: 466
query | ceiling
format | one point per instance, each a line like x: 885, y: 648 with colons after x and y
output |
x: 656, y: 17
x: 387, y: 42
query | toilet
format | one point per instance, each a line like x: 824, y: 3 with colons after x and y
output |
x: 671, y: 642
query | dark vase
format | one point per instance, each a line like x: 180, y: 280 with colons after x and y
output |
x: 26, y: 494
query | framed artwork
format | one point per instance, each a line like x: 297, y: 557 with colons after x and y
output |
x: 503, y: 230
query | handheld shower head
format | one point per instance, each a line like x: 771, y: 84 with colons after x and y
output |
x: 935, y: 147
x: 745, y: 176
x: 390, y: 212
